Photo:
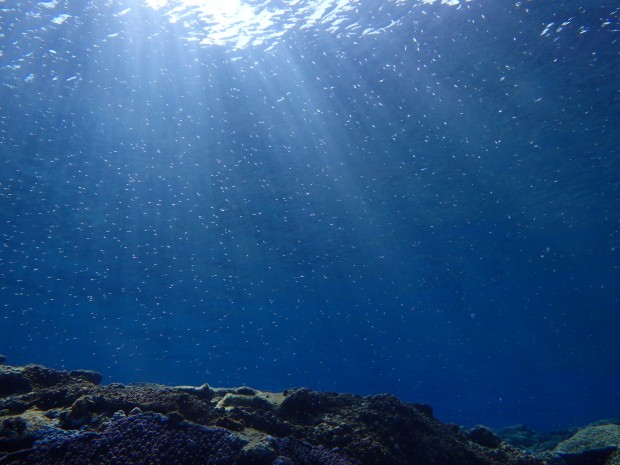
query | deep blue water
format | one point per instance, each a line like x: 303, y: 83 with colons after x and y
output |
x: 368, y: 196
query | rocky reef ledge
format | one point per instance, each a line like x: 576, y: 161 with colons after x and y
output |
x: 55, y: 417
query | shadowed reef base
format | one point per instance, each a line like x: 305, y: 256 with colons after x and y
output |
x: 56, y: 417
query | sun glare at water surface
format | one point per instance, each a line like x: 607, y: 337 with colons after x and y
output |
x: 239, y: 23
x: 224, y: 12
x: 219, y: 22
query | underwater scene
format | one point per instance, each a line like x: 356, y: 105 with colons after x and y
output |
x: 417, y: 198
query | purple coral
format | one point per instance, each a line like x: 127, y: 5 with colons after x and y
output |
x: 153, y: 439
x: 293, y: 451
x: 138, y: 440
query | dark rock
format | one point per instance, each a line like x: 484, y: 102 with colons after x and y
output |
x: 13, y: 381
x: 175, y: 418
x: 2, y: 359
x: 43, y: 377
x: 56, y: 396
x: 11, y: 405
x: 229, y: 423
x: 12, y: 434
x: 425, y: 409
x: 304, y: 405
x: 19, y: 432
x: 81, y: 412
x: 245, y: 391
x: 87, y: 375
x: 484, y: 436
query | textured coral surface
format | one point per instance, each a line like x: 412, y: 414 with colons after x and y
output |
x: 53, y: 417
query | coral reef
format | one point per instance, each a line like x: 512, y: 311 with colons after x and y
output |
x: 54, y: 417
x: 594, y: 444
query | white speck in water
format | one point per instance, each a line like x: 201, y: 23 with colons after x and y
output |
x: 49, y: 5
x: 60, y: 19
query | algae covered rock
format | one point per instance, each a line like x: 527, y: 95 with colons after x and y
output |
x: 87, y: 375
x: 254, y: 402
x: 601, y: 437
x: 535, y: 441
x: 597, y: 444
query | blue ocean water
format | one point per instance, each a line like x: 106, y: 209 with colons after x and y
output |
x: 403, y: 196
